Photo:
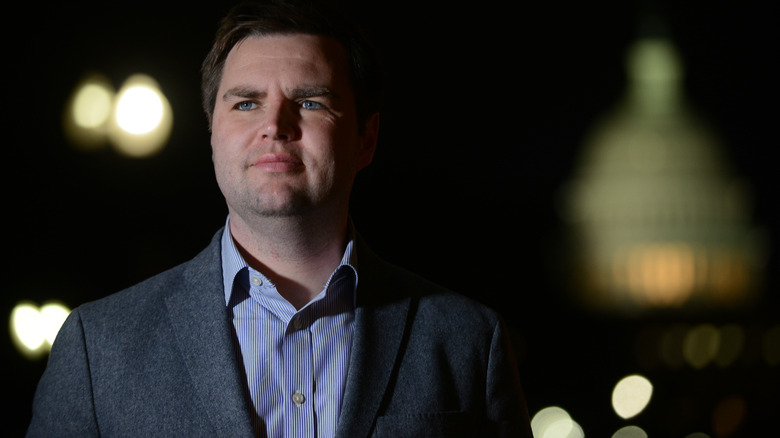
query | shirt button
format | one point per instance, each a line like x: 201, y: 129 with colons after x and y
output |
x: 298, y: 398
x: 257, y: 281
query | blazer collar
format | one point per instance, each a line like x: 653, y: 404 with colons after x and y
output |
x: 202, y: 329
x: 381, y: 319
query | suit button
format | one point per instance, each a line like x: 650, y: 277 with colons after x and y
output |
x: 298, y: 398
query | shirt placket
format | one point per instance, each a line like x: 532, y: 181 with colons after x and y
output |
x: 298, y: 384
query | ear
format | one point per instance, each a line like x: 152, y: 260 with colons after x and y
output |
x: 368, y: 141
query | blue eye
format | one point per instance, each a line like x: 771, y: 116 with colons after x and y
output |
x: 245, y: 105
x: 311, y: 105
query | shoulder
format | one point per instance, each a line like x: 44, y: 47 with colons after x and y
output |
x: 432, y: 305
x: 148, y: 296
x: 136, y: 298
x: 449, y: 311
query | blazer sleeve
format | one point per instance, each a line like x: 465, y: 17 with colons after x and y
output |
x: 507, y: 413
x: 63, y: 404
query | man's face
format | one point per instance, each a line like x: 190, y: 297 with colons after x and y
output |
x: 285, y: 139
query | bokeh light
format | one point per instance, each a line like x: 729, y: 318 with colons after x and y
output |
x: 33, y: 328
x: 92, y: 105
x: 143, y: 118
x: 728, y: 416
x: 88, y: 111
x: 555, y: 422
x: 701, y: 345
x: 631, y: 395
x: 137, y: 120
x: 630, y: 432
x: 139, y: 109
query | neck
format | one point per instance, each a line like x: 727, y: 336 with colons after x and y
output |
x: 298, y: 255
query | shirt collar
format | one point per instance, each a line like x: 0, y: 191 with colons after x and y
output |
x: 233, y: 263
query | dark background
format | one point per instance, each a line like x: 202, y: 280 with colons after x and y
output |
x: 487, y: 108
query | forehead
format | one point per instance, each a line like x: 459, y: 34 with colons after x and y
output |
x: 306, y: 56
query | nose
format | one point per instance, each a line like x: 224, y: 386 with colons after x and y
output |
x: 281, y: 122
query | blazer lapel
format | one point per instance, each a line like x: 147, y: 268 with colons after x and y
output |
x: 199, y: 320
x: 380, y: 326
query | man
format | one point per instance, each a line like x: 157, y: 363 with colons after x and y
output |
x: 286, y: 324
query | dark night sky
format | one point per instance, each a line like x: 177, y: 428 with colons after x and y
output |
x: 486, y: 111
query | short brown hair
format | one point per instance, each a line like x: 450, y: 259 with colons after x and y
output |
x: 285, y: 17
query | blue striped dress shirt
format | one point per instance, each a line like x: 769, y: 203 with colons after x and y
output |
x: 295, y: 361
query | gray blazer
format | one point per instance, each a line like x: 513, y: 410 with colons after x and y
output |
x: 157, y: 359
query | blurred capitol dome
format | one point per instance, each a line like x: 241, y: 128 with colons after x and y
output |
x: 655, y: 218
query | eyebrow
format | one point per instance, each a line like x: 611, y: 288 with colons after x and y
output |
x: 298, y: 93
x: 243, y: 92
x: 302, y: 93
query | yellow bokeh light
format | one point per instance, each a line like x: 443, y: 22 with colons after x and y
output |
x: 143, y: 118
x: 33, y: 328
x: 698, y: 345
x: 137, y: 121
x: 92, y: 105
x: 701, y: 345
x: 88, y: 111
x: 631, y: 396
x: 25, y: 327
x: 630, y: 432
x: 555, y: 422
x: 139, y: 109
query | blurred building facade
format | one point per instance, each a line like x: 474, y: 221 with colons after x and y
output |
x: 656, y: 217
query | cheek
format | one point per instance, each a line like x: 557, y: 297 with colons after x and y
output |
x: 225, y: 141
x: 217, y: 146
x: 222, y: 154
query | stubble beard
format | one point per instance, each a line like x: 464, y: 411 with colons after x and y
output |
x: 294, y: 203
x: 291, y: 200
